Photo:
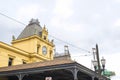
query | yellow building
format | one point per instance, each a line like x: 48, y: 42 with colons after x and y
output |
x: 32, y: 45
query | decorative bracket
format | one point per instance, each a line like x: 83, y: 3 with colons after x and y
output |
x: 74, y: 72
x: 20, y: 76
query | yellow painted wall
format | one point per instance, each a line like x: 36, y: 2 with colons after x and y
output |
x: 6, y: 53
x: 25, y: 49
x: 30, y: 45
x: 27, y: 44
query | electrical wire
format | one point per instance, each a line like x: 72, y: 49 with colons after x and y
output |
x: 71, y: 44
x: 11, y: 18
x: 50, y: 35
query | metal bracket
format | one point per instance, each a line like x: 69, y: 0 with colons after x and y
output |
x: 74, y: 71
x: 20, y: 76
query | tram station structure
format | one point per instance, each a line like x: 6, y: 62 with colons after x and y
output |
x: 31, y: 57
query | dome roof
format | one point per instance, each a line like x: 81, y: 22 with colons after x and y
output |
x: 31, y: 29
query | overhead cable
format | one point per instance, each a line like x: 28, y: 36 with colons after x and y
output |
x: 13, y: 19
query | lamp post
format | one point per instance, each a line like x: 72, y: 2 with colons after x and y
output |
x: 95, y: 64
x: 96, y: 61
x: 103, y: 61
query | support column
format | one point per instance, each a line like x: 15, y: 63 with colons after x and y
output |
x: 20, y: 76
x: 74, y: 72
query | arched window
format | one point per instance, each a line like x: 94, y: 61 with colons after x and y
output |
x: 44, y: 37
x: 38, y: 48
x: 24, y: 61
x: 10, y: 61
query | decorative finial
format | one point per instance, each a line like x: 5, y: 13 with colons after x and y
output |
x: 34, y: 21
x: 44, y: 27
x: 66, y: 49
x: 52, y: 40
x: 13, y: 37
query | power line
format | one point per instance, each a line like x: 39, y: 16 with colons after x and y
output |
x: 50, y: 35
x: 11, y: 18
x: 82, y: 55
x: 70, y: 44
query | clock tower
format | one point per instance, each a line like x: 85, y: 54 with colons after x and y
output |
x: 34, y: 39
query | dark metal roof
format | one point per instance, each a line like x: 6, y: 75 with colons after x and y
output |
x: 35, y: 65
x: 53, y: 65
x: 31, y: 29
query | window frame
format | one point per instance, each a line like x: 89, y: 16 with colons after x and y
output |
x: 10, y: 61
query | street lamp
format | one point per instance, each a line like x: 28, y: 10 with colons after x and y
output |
x: 103, y: 61
x: 95, y: 64
x: 96, y: 61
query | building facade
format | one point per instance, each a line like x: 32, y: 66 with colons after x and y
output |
x: 32, y: 45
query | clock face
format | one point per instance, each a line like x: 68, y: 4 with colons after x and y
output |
x: 44, y: 50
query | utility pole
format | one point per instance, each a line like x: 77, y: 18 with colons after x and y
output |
x: 98, y: 60
x: 96, y: 63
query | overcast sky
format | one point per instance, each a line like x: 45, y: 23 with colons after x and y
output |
x: 79, y: 22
